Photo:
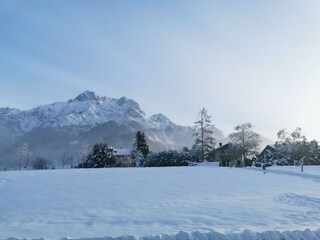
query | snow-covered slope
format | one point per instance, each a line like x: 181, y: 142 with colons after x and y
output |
x: 206, y: 203
x: 87, y: 109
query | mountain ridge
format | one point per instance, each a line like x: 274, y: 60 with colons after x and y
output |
x: 62, y: 128
x: 85, y: 109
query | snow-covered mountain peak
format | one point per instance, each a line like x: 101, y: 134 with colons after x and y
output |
x: 161, y: 120
x: 89, y: 118
x: 131, y: 106
x: 8, y: 110
x: 88, y: 96
x: 128, y: 102
x: 87, y: 109
x: 122, y: 101
x: 159, y: 117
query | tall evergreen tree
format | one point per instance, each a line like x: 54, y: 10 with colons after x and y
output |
x: 140, y: 145
x: 203, y: 135
x: 101, y: 156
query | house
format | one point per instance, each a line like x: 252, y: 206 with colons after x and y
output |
x: 124, y: 158
x: 267, y: 154
x: 227, y: 156
x: 122, y: 152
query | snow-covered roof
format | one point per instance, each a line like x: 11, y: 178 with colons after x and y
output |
x: 223, y: 146
x: 272, y: 146
x: 123, y: 152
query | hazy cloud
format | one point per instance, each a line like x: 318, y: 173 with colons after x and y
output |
x: 244, y: 61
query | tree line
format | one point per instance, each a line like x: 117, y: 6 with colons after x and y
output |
x: 292, y: 149
x: 101, y: 155
x: 289, y: 149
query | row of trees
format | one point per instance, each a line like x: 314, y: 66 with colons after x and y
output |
x: 167, y: 158
x: 244, y: 140
x: 103, y: 156
x: 25, y: 159
x: 290, y: 148
x: 100, y: 155
x: 293, y: 148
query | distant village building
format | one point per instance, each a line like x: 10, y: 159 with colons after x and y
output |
x: 267, y: 154
x: 122, y: 152
x: 227, y: 156
x: 123, y: 156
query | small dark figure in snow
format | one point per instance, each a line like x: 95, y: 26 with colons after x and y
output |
x: 264, y: 168
x: 301, y: 165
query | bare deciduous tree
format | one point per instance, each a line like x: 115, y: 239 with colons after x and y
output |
x: 245, y: 140
x: 64, y: 160
x: 23, y: 155
x: 83, y: 152
x: 40, y: 163
x: 294, y: 148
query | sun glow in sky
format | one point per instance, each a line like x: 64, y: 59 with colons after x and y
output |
x: 245, y: 61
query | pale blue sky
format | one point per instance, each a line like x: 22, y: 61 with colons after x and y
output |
x: 245, y: 61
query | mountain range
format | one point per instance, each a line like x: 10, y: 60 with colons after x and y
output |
x: 60, y: 129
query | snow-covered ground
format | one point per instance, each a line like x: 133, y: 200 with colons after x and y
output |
x: 201, y: 202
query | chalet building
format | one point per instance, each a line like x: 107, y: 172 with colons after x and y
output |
x: 227, y: 156
x: 267, y: 153
x: 123, y: 152
x: 124, y: 158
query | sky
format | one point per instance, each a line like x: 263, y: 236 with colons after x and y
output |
x: 244, y: 61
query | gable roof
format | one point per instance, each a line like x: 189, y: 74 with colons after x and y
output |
x: 225, y: 146
x: 269, y: 148
x: 123, y: 152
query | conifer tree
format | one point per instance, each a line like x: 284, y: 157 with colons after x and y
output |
x: 140, y: 145
x: 204, y: 140
x: 101, y: 156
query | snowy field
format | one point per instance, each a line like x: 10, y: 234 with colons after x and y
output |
x: 162, y: 203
